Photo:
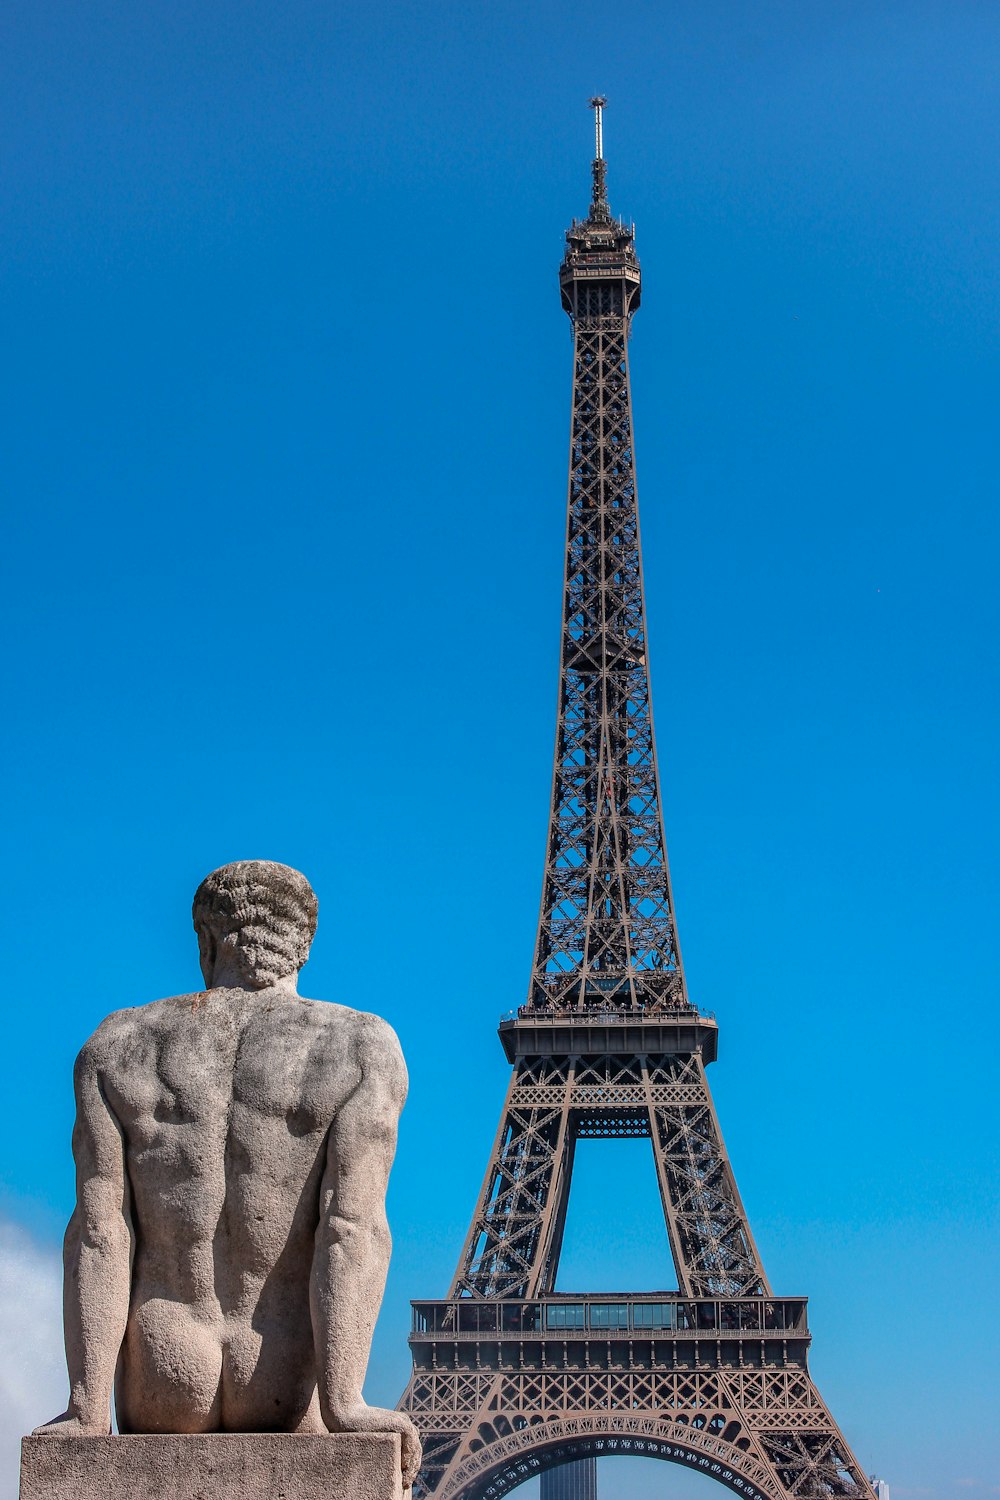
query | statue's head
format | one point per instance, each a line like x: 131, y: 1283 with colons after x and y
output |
x: 255, y: 922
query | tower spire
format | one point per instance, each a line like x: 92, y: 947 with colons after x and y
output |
x: 599, y: 209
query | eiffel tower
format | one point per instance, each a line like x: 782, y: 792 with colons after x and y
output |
x: 510, y: 1378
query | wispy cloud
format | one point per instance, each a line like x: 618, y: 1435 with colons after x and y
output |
x: 33, y: 1383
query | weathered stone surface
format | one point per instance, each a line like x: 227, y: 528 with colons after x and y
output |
x: 216, y: 1466
x: 239, y: 1141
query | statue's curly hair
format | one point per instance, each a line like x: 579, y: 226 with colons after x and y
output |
x: 262, y: 914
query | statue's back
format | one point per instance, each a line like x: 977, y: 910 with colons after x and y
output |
x: 225, y: 1101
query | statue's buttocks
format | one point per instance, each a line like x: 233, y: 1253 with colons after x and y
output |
x: 234, y: 1146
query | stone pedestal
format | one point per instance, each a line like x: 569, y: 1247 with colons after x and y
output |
x: 212, y: 1466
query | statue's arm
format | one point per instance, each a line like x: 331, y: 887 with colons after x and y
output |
x: 353, y: 1242
x: 96, y: 1258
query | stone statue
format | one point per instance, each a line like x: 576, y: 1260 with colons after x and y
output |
x: 227, y: 1255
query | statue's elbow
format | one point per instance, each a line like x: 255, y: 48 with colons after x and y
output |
x: 357, y: 1238
x: 100, y: 1238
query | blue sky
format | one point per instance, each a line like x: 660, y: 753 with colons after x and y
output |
x: 285, y: 411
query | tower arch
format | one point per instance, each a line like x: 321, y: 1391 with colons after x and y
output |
x: 512, y: 1459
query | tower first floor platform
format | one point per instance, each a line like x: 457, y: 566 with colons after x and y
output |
x: 506, y: 1389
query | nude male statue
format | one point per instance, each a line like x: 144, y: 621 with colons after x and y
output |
x: 227, y: 1256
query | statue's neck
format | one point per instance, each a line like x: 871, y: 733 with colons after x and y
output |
x: 226, y: 976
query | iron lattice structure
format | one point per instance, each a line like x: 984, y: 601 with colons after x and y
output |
x: 511, y: 1378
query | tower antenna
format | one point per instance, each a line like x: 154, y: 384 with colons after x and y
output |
x: 597, y: 105
x: 599, y: 205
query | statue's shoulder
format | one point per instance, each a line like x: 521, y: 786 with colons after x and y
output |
x: 122, y: 1025
x: 101, y: 1048
x: 362, y: 1026
x: 370, y: 1040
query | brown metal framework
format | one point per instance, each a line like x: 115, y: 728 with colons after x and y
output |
x: 510, y: 1378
